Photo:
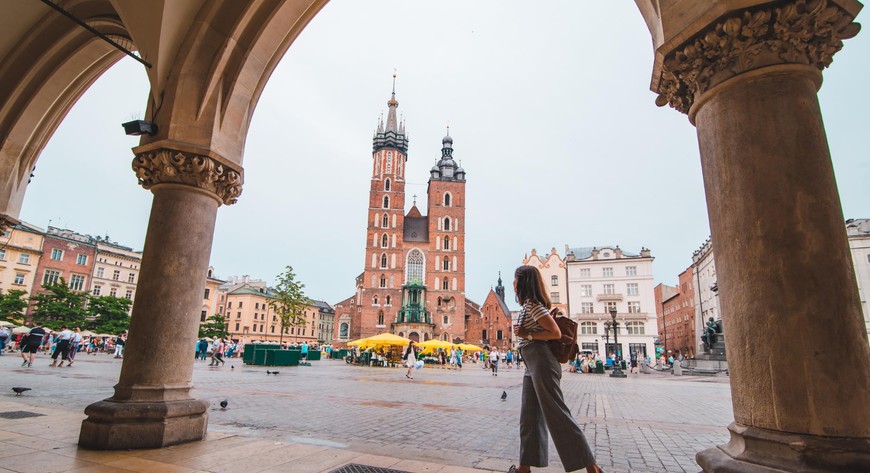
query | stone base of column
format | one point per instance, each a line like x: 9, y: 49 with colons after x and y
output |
x: 753, y: 450
x: 123, y: 425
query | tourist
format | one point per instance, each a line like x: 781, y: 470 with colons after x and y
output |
x: 62, y: 343
x: 304, y: 351
x: 120, y: 342
x: 4, y: 337
x: 32, y: 343
x: 217, y: 349
x: 633, y: 361
x: 493, y: 360
x: 410, y: 358
x: 74, y: 344
x: 543, y: 406
x: 201, y: 349
x: 509, y: 359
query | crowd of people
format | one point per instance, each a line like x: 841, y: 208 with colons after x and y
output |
x: 64, y: 344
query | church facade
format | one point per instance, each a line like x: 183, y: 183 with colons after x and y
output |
x: 413, y: 281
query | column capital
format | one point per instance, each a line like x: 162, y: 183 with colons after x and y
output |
x: 697, y: 58
x: 160, y: 166
x: 7, y: 221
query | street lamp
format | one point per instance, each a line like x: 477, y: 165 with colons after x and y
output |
x: 617, y: 371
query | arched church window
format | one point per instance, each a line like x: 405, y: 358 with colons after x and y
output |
x: 375, y: 300
x: 381, y: 318
x: 445, y: 284
x: 386, y: 201
x: 386, y: 221
x: 384, y: 260
x: 389, y: 166
x: 446, y: 320
x: 383, y: 281
x: 387, y: 185
x: 385, y: 241
x: 446, y: 243
x: 447, y: 199
x: 389, y: 300
x: 445, y: 265
x: 415, y: 266
x: 439, y: 302
x: 447, y: 223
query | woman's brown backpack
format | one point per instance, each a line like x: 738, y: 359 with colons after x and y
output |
x: 565, y: 349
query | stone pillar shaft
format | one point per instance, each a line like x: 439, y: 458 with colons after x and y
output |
x: 152, y: 406
x: 784, y: 268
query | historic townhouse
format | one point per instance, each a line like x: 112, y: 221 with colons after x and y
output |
x: 603, y: 279
x: 676, y: 316
x: 67, y: 255
x: 116, y: 270
x: 553, y: 270
x: 20, y: 252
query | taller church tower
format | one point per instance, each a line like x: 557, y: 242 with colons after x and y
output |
x: 380, y: 295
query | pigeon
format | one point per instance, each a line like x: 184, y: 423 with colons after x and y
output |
x: 504, y: 395
x: 232, y: 367
x: 18, y: 391
x: 224, y: 404
x: 271, y: 372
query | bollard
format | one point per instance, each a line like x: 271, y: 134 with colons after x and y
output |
x: 678, y: 368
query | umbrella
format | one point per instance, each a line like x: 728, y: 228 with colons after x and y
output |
x: 86, y: 333
x: 384, y: 339
x: 469, y: 347
x: 21, y: 329
x: 434, y: 344
x: 4, y: 323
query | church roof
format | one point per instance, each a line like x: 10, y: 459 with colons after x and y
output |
x: 414, y: 212
x: 416, y: 228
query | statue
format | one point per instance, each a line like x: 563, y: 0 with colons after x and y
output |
x: 709, y: 337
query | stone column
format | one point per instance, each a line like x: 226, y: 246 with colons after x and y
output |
x: 797, y: 349
x: 152, y: 406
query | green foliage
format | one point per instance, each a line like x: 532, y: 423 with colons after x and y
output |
x: 12, y: 305
x: 288, y: 301
x: 109, y: 314
x: 60, y: 305
x: 214, y: 327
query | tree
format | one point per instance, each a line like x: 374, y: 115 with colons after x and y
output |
x: 60, y: 305
x: 288, y: 301
x: 12, y: 305
x: 214, y: 327
x: 110, y: 314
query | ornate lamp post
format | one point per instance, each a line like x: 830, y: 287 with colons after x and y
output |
x: 606, y: 338
x: 617, y: 371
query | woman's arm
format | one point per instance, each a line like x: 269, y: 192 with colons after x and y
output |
x: 550, y: 330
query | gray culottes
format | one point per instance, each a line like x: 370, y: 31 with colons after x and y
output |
x: 543, y: 408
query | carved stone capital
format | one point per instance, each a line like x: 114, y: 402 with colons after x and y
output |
x: 807, y: 32
x: 168, y: 166
x: 7, y: 222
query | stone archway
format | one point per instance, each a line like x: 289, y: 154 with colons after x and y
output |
x: 746, y: 72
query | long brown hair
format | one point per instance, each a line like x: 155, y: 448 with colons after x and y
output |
x: 530, y: 286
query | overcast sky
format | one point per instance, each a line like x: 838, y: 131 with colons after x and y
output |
x: 549, y: 107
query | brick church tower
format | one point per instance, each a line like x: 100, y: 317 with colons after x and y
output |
x: 413, y: 284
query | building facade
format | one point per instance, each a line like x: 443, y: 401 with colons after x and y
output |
x: 116, y: 270
x: 66, y: 255
x: 413, y: 282
x: 211, y: 297
x: 325, y: 322
x: 605, y: 278
x: 858, y: 231
x: 706, y: 290
x: 20, y: 252
x: 492, y: 327
x: 554, y: 272
x: 676, y: 315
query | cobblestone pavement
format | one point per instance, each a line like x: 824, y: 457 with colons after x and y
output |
x: 646, y: 423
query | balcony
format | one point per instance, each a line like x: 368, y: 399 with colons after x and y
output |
x: 609, y: 297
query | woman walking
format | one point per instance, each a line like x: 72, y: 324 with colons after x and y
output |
x: 543, y: 406
x: 410, y: 358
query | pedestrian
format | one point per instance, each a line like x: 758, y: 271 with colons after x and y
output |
x: 4, y: 337
x: 61, y: 347
x: 74, y: 343
x: 32, y: 343
x: 509, y: 359
x: 494, y: 360
x: 410, y: 358
x: 442, y: 358
x: 202, y: 349
x: 304, y: 351
x: 217, y: 349
x: 120, y: 342
x: 543, y: 406
x: 459, y: 354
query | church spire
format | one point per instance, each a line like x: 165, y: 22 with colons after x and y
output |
x: 392, y: 123
x: 499, y: 290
